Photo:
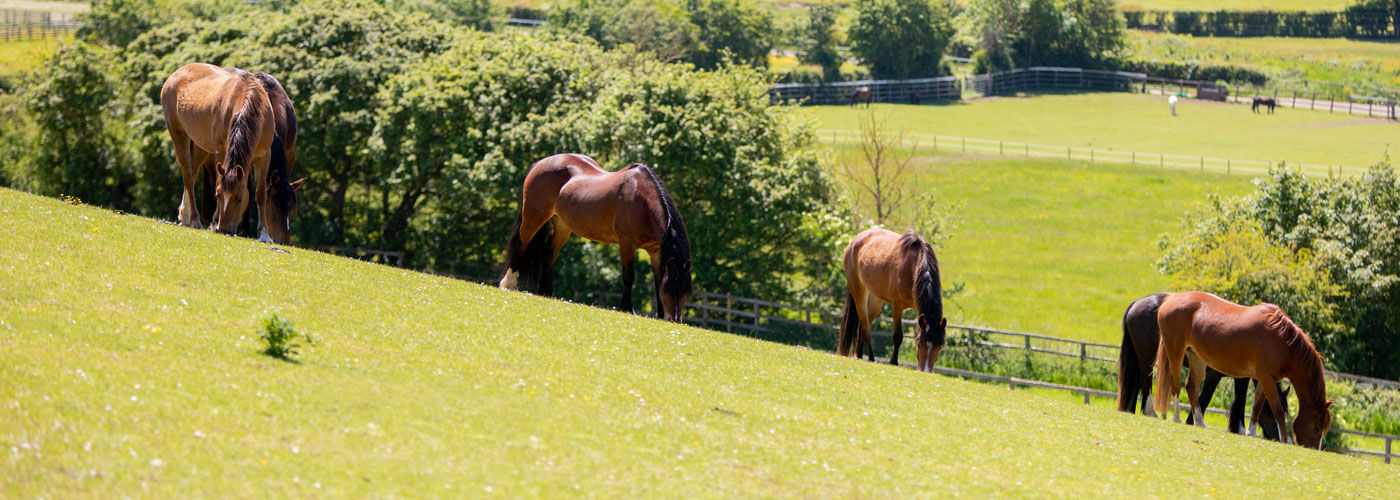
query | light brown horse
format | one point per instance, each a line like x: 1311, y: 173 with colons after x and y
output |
x: 1258, y: 342
x: 884, y: 266
x: 219, y: 116
x: 570, y: 194
x: 862, y: 94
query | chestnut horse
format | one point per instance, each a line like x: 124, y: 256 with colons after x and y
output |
x: 884, y: 266
x: 220, y: 116
x: 1135, y: 362
x: 1258, y: 342
x: 569, y: 193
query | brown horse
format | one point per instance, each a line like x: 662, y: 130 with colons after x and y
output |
x: 861, y: 94
x: 1135, y: 362
x: 281, y: 189
x: 884, y: 266
x: 569, y: 193
x: 1258, y: 342
x: 219, y: 116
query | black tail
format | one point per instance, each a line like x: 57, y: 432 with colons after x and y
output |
x: 1129, y: 366
x: 534, y: 265
x: 850, y: 326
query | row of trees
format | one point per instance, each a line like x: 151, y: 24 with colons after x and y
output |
x: 416, y: 135
x: 1368, y: 18
x: 1326, y: 250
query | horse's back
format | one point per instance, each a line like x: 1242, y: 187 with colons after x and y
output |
x: 1229, y: 337
x: 597, y: 204
x: 876, y: 263
x: 1140, y: 322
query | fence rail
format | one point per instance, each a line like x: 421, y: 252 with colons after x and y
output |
x: 18, y: 24
x: 1056, y: 78
x: 1096, y: 155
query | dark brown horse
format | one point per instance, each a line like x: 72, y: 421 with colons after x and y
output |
x: 862, y: 94
x: 1135, y: 362
x: 1264, y: 101
x: 1258, y: 342
x: 884, y: 266
x: 281, y: 189
x: 570, y: 194
x: 219, y: 116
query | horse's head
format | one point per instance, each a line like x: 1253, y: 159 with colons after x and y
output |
x: 930, y: 341
x: 675, y: 287
x: 230, y: 198
x: 282, y: 201
x: 1312, y: 423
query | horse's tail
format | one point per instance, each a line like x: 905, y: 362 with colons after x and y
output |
x: 850, y: 326
x: 1167, y: 379
x: 675, y: 245
x: 1129, y: 366
x: 533, y: 263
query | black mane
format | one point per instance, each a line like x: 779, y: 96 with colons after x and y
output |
x: 928, y: 285
x: 675, y: 243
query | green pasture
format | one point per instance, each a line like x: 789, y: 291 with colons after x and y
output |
x: 1142, y: 123
x: 19, y: 56
x: 130, y: 367
x: 1055, y: 247
x: 1287, y: 61
x: 1278, y: 5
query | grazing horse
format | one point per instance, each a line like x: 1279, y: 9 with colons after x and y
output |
x: 569, y: 193
x: 220, y: 116
x: 1263, y: 101
x: 281, y: 189
x: 884, y: 266
x: 862, y: 94
x: 1258, y: 342
x: 1135, y: 369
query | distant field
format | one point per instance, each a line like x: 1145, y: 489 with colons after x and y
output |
x: 1056, y: 247
x: 1287, y: 61
x: 1139, y: 122
x: 17, y: 56
x: 1280, y: 5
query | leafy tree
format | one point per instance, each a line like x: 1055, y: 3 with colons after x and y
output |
x: 901, y: 38
x: 1327, y: 250
x: 475, y: 14
x: 70, y: 104
x: 821, y: 41
x: 730, y: 28
x: 1042, y: 32
x: 659, y: 27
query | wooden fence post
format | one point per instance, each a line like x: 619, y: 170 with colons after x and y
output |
x: 1083, y: 352
x: 756, y: 314
x: 964, y: 144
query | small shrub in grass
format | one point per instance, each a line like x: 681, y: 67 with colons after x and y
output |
x: 282, y: 340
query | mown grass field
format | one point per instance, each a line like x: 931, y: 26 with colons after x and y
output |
x: 19, y: 56
x: 1055, y: 247
x: 130, y: 367
x: 1140, y: 122
x: 1287, y: 61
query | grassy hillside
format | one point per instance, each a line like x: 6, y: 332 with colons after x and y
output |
x: 1053, y: 246
x: 1287, y: 61
x: 1140, y: 122
x: 129, y: 368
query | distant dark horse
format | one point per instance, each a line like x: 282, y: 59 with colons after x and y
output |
x: 862, y: 94
x: 884, y: 266
x: 1263, y: 101
x: 569, y: 193
x: 1136, y: 359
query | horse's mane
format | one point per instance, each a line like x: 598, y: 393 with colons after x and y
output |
x: 928, y: 285
x: 240, y: 141
x: 1300, y: 346
x: 675, y: 243
x: 278, y: 174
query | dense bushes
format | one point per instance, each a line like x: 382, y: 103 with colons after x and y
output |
x: 1189, y: 71
x: 902, y: 39
x: 417, y: 135
x: 1373, y: 18
x: 703, y: 32
x: 1078, y: 33
x: 1326, y: 250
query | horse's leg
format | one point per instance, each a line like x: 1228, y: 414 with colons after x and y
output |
x: 655, y: 258
x: 898, y: 337
x: 1270, y: 391
x: 260, y: 164
x: 873, y: 305
x: 629, y: 257
x: 1236, y: 425
x: 189, y: 213
x: 204, y: 164
x: 561, y: 237
x: 1208, y: 385
x: 1255, y: 410
x: 1195, y: 372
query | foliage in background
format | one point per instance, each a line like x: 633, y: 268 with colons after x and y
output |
x: 1365, y: 18
x: 902, y: 39
x: 730, y: 30
x: 416, y: 136
x: 703, y: 32
x: 821, y: 41
x: 1333, y: 66
x: 1326, y: 250
x: 1078, y: 33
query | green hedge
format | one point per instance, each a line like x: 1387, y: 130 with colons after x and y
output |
x: 1376, y: 19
